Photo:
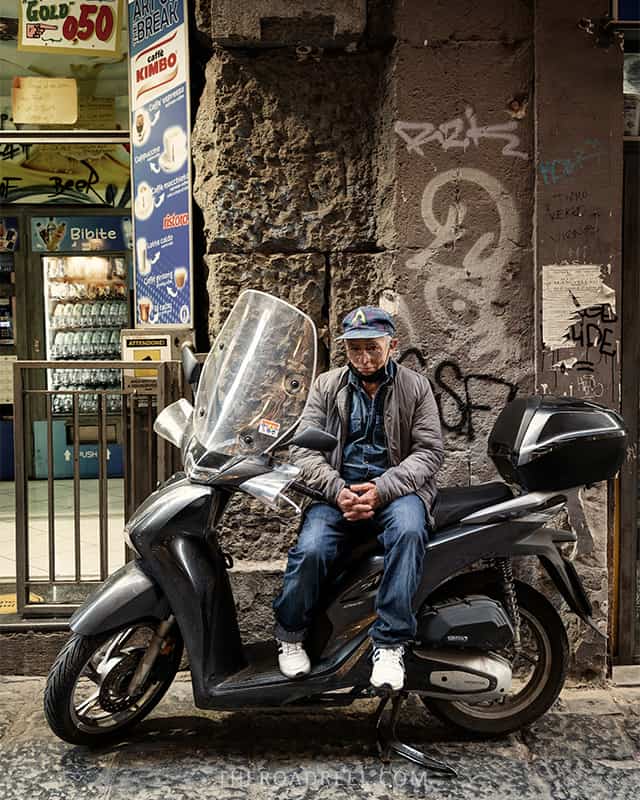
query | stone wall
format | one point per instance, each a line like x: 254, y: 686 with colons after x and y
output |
x: 342, y: 159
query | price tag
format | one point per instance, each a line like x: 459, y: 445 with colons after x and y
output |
x: 70, y: 27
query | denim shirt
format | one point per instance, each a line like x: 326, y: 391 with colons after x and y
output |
x: 365, y: 451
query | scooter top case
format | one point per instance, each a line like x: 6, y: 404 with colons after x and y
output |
x: 555, y: 443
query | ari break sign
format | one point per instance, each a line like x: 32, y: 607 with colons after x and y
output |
x: 70, y: 27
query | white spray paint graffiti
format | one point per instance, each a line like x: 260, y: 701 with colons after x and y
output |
x: 459, y: 133
x: 396, y: 305
x: 477, y: 283
x: 455, y: 293
x: 452, y: 229
x: 590, y: 387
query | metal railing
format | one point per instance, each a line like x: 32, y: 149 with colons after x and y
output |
x: 113, y: 415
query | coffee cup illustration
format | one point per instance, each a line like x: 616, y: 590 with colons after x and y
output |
x: 180, y: 277
x: 144, y: 201
x: 143, y: 264
x: 145, y: 307
x: 142, y: 127
x: 174, y: 141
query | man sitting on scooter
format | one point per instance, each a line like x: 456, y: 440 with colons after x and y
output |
x: 383, y: 471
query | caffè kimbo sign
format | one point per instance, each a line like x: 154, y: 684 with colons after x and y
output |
x: 160, y: 131
x: 161, y: 63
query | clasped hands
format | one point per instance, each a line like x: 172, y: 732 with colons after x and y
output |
x: 359, y: 501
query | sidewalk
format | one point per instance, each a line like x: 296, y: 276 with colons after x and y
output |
x: 586, y: 748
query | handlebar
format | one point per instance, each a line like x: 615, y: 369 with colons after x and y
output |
x: 307, y: 491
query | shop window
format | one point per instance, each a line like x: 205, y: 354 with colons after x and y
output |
x: 93, y: 95
x: 68, y: 172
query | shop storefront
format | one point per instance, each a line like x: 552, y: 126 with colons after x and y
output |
x: 66, y: 286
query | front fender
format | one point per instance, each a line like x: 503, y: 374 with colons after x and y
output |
x: 126, y: 597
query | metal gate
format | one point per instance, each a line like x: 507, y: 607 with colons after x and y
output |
x: 84, y: 459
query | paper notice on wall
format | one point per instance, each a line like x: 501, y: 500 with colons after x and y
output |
x: 96, y: 113
x: 44, y: 101
x: 568, y: 289
x: 6, y: 379
x: 144, y: 346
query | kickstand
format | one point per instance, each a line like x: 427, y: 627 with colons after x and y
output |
x: 388, y: 742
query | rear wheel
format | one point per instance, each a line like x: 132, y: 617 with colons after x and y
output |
x: 86, y: 697
x: 539, y: 670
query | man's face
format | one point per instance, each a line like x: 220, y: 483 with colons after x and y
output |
x: 368, y: 355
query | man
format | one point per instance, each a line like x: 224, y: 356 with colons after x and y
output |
x: 383, y: 471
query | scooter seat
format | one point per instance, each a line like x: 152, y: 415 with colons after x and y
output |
x: 455, y: 502
x: 451, y: 505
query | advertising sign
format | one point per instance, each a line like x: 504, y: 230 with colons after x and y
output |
x: 160, y: 162
x: 89, y: 29
x: 626, y: 10
x: 9, y: 239
x: 82, y: 234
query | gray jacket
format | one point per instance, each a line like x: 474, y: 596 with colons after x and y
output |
x: 412, y: 430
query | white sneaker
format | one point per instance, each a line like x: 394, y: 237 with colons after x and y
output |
x: 292, y: 659
x: 388, y: 668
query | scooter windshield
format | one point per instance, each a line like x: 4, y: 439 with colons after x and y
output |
x: 255, y: 381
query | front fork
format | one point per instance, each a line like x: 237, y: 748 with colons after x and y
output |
x: 157, y: 643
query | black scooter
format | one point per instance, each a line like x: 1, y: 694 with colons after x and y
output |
x: 491, y: 652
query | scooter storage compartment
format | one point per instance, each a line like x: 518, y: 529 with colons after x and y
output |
x: 477, y: 621
x: 547, y: 443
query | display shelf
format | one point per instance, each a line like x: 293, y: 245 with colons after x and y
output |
x: 77, y: 329
x: 74, y: 300
x: 106, y: 357
x: 91, y: 281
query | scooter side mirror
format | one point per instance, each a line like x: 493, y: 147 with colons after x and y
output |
x: 191, y: 367
x: 314, y: 439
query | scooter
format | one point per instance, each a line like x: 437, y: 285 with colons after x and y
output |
x: 491, y: 652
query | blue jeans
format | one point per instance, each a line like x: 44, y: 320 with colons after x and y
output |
x: 324, y: 536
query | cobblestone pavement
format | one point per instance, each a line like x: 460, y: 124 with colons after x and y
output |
x: 586, y: 747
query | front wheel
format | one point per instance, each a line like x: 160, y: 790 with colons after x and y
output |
x: 86, y: 698
x: 539, y: 671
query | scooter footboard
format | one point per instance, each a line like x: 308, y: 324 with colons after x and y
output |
x: 127, y: 596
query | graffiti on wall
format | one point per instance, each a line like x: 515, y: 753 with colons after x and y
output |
x: 571, y: 218
x: 578, y: 309
x: 594, y: 331
x: 461, y: 271
x: 579, y: 325
x: 486, y: 253
x: 459, y: 394
x: 474, y: 239
x: 461, y: 133
x: 557, y: 169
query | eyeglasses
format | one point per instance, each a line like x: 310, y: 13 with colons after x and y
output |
x: 370, y: 350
